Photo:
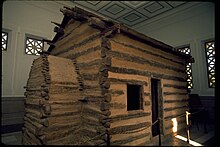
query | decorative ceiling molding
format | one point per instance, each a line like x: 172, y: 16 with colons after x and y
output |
x: 131, y: 13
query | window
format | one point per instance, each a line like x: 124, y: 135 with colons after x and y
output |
x: 187, y: 50
x: 4, y: 41
x: 210, y: 58
x: 134, y: 97
x: 33, y: 46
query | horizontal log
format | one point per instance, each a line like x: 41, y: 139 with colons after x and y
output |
x: 117, y: 92
x: 86, y: 53
x: 60, y: 133
x: 90, y: 77
x: 31, y: 128
x: 121, y: 63
x: 35, y: 113
x: 174, y: 93
x: 67, y: 140
x: 174, y: 108
x: 175, y: 86
x: 94, y: 113
x: 127, y: 81
x: 129, y: 116
x: 141, y: 60
x: 169, y: 117
x: 138, y: 141
x: 176, y: 101
x: 82, y: 46
x: 129, y: 139
x: 116, y: 105
x: 146, y: 54
x: 145, y: 143
x: 32, y: 101
x: 144, y: 73
x: 81, y: 43
x: 96, y: 62
x: 71, y: 26
x: 64, y: 113
x: 143, y: 48
x: 127, y: 128
x: 43, y: 121
x: 90, y: 121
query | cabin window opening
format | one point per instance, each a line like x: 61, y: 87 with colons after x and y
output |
x: 186, y: 50
x: 34, y: 45
x: 210, y: 61
x: 134, y: 97
x: 4, y: 41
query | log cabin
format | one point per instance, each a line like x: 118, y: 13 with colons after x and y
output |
x: 103, y: 83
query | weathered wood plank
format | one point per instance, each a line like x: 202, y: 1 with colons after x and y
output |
x: 144, y: 73
x: 83, y: 42
x: 81, y: 48
x: 129, y: 121
x: 129, y: 116
x: 121, y: 63
x: 174, y: 89
x: 175, y: 97
x: 81, y: 32
x: 136, y: 44
x: 175, y: 93
x: 173, y: 82
x: 131, y: 139
x: 137, y: 59
x: 128, y: 128
x: 121, y: 77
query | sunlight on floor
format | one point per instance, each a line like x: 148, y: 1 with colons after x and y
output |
x: 190, y: 141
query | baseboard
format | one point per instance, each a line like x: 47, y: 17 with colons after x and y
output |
x: 11, y: 128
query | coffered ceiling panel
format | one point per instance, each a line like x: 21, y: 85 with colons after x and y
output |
x: 154, y: 8
x: 131, y: 13
x: 115, y: 9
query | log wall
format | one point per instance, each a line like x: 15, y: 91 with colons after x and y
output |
x: 134, y: 62
x: 51, y: 102
x: 89, y: 51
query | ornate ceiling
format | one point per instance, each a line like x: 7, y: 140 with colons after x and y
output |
x: 131, y: 13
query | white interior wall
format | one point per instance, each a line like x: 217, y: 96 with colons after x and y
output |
x: 24, y: 17
x: 20, y: 18
x: 192, y: 26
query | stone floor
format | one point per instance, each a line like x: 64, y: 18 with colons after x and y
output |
x: 196, y: 134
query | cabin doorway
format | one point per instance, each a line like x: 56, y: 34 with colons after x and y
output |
x: 156, y: 105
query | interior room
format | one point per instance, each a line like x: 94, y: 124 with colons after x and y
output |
x: 186, y: 28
